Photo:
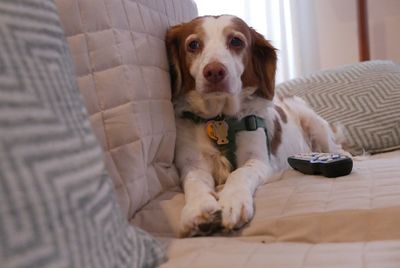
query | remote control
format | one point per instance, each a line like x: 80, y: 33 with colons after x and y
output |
x: 330, y: 165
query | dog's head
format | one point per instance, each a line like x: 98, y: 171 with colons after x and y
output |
x: 220, y: 55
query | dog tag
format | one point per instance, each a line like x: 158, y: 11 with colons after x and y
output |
x: 218, y: 130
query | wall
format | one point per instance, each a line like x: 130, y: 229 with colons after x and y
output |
x: 328, y: 32
x: 384, y: 26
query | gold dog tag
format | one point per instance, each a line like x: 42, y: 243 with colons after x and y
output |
x: 218, y: 130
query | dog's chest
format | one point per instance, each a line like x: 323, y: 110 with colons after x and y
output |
x: 216, y: 151
x: 196, y: 144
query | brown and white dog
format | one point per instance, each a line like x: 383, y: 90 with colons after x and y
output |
x: 222, y: 68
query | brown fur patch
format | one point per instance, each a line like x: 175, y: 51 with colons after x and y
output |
x: 238, y: 28
x: 259, y: 60
x: 307, y: 133
x: 334, y: 128
x: 281, y: 113
x: 277, y: 137
x: 179, y: 59
x: 305, y: 126
x: 263, y: 59
x: 249, y: 78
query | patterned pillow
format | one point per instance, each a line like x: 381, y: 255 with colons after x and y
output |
x: 363, y: 97
x: 57, y: 205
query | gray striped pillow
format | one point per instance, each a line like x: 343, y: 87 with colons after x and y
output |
x: 57, y: 205
x: 363, y: 97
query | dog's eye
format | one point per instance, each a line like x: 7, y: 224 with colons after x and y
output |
x: 193, y: 45
x: 236, y: 42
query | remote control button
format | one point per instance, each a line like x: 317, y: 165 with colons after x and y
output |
x: 324, y: 158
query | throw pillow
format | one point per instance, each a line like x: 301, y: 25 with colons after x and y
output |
x: 363, y: 97
x: 57, y: 205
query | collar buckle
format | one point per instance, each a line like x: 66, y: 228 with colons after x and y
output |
x: 251, y: 123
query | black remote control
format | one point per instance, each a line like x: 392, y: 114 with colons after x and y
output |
x: 330, y: 165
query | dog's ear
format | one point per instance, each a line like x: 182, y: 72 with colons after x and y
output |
x: 263, y: 58
x: 173, y: 41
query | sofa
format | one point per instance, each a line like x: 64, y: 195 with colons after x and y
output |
x: 87, y: 136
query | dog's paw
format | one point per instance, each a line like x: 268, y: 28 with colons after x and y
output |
x: 237, y: 208
x: 200, y: 217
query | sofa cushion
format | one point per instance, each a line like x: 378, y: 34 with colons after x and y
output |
x: 299, y: 221
x: 255, y: 252
x: 363, y: 97
x: 363, y: 206
x: 57, y: 205
x: 119, y: 53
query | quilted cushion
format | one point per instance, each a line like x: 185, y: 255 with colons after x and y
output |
x: 363, y: 97
x: 57, y: 206
x: 254, y: 252
x: 309, y: 209
x: 119, y: 53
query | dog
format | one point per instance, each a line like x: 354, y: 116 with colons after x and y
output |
x: 231, y: 128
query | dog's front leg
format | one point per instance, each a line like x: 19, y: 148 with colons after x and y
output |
x: 236, y: 198
x: 201, y: 214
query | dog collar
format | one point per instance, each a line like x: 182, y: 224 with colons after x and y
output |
x: 222, y: 130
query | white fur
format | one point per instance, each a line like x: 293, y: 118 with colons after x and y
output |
x: 201, y: 165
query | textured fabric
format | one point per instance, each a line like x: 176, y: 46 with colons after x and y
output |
x: 363, y: 97
x: 254, y: 252
x: 57, y: 206
x: 299, y: 221
x: 119, y: 53
x: 363, y: 206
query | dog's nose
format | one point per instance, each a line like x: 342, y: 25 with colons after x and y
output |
x: 214, y: 72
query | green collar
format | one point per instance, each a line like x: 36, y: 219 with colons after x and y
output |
x: 248, y: 123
